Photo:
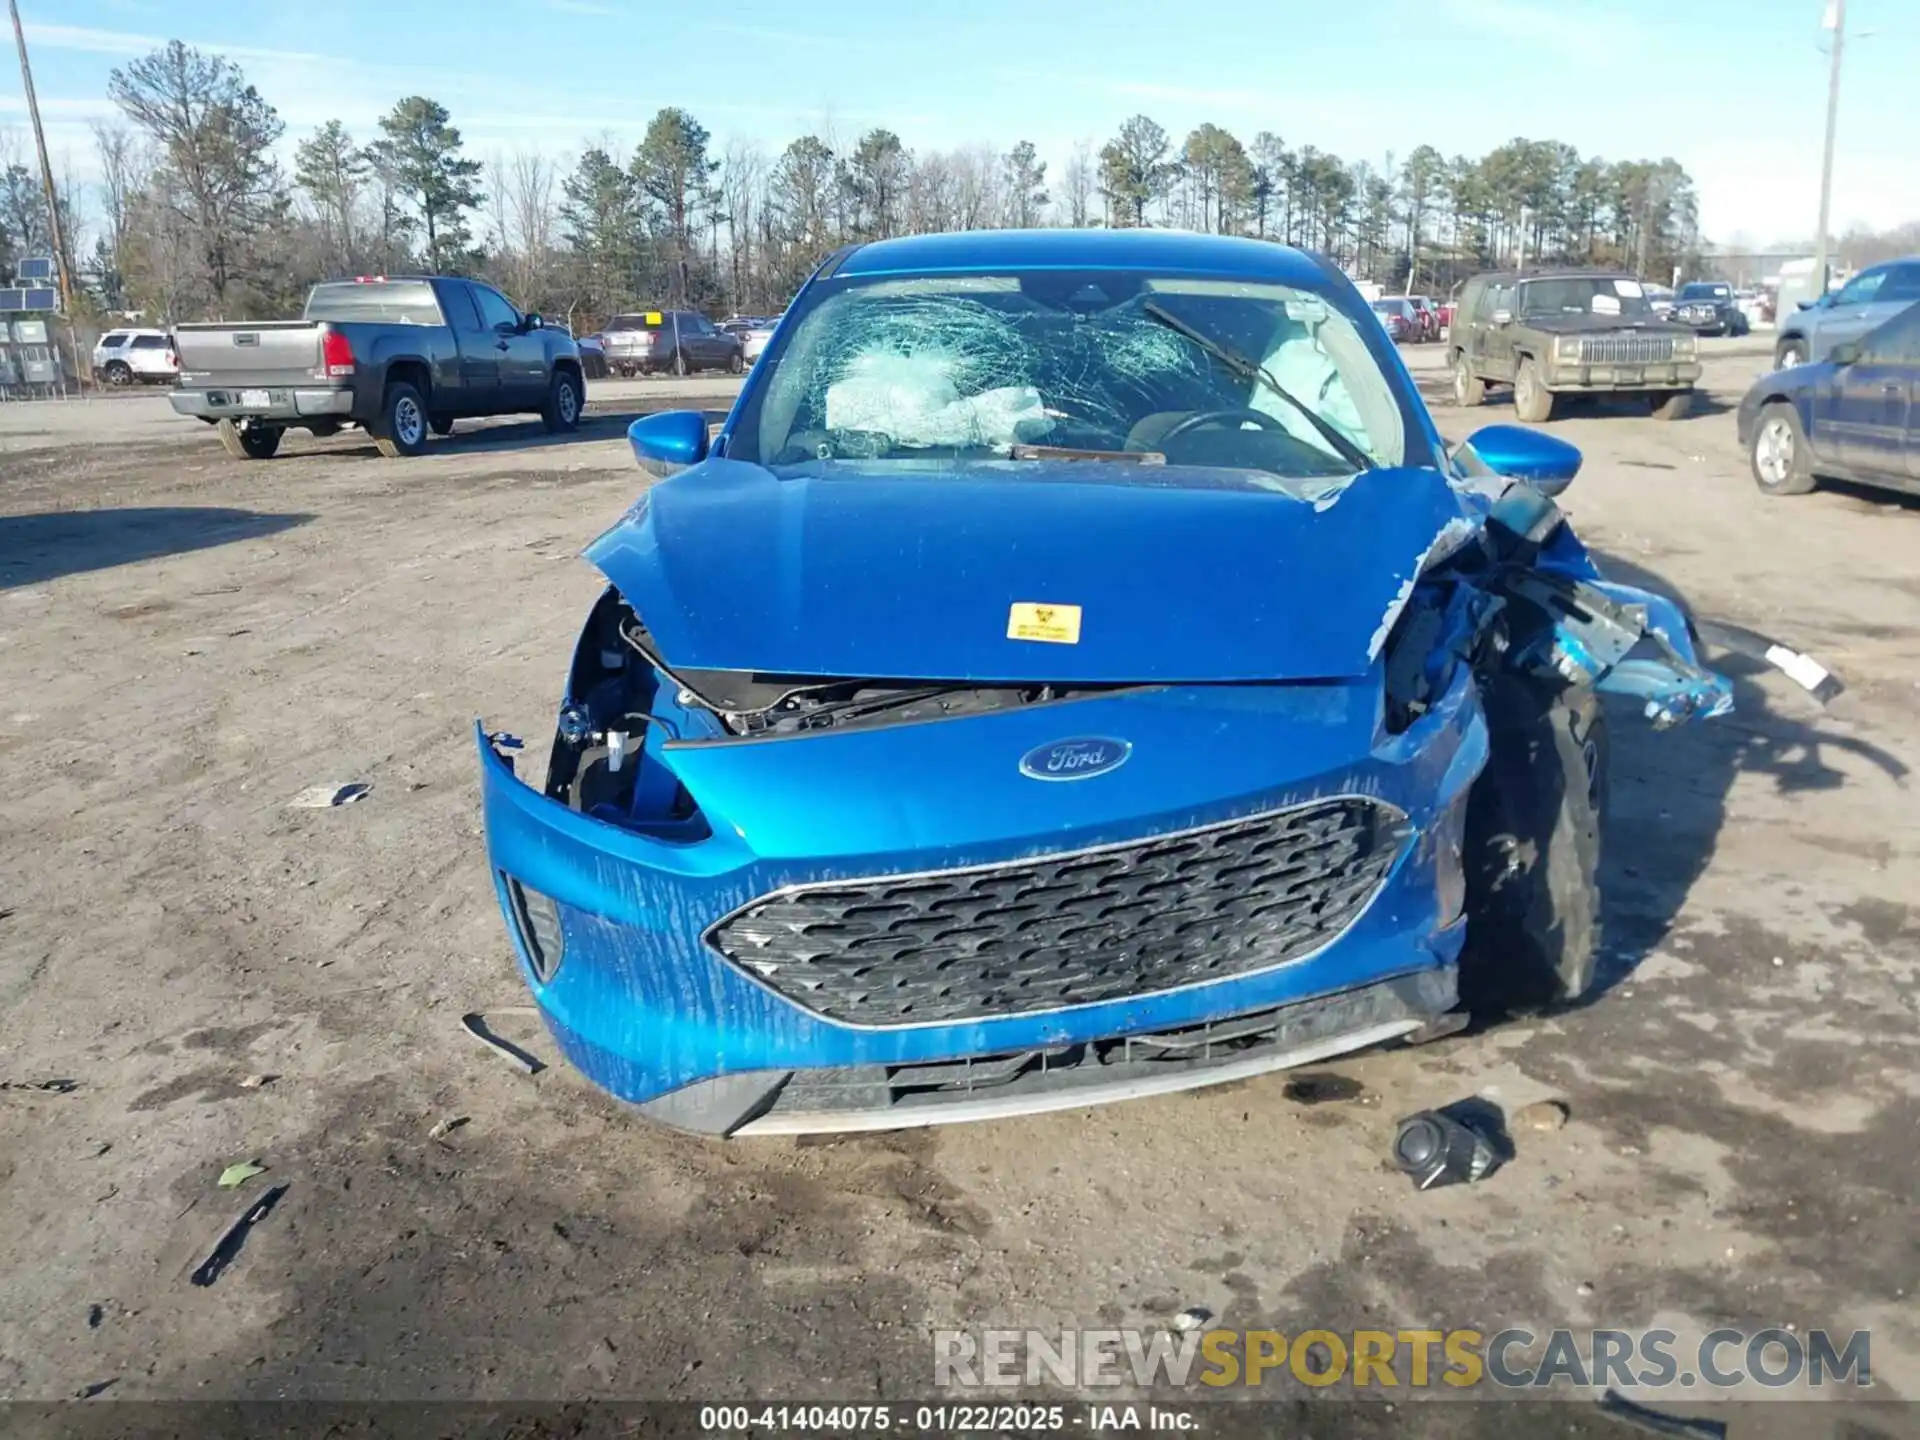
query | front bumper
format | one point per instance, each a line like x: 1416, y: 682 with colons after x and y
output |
x: 1570, y: 375
x: 645, y: 1004
x: 283, y: 403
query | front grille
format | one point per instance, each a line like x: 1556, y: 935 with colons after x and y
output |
x: 1625, y: 349
x: 1074, y: 929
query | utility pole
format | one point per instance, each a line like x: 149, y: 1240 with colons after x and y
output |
x: 60, y: 261
x: 1836, y: 21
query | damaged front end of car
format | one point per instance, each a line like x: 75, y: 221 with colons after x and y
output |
x: 760, y: 902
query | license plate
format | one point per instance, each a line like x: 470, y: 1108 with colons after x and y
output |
x: 1629, y: 374
x: 256, y: 399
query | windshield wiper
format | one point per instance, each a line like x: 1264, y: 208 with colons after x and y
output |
x: 1254, y: 370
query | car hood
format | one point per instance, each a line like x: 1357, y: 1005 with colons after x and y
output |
x: 910, y: 571
x: 1593, y: 324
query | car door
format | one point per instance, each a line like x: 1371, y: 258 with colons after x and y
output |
x: 523, y: 352
x: 1874, y: 400
x: 1496, y: 335
x: 479, y: 371
x: 708, y: 342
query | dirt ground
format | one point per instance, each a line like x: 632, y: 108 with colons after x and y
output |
x: 188, y: 642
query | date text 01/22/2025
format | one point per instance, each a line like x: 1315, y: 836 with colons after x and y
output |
x: 943, y: 1419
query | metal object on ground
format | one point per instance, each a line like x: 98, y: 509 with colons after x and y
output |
x: 1436, y: 1149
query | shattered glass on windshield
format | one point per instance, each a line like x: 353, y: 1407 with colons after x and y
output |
x: 995, y: 366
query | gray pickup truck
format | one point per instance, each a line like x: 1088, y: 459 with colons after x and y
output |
x: 396, y: 356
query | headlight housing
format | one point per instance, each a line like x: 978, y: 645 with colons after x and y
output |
x: 1567, y: 347
x: 1685, y: 347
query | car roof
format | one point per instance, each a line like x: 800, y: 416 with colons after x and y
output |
x: 1164, y: 250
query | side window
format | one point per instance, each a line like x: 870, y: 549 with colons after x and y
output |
x: 114, y: 340
x: 1897, y: 341
x: 462, y: 314
x: 149, y: 342
x: 494, y: 309
x: 1903, y: 283
x: 698, y: 324
x: 1499, y: 297
x: 1863, y: 289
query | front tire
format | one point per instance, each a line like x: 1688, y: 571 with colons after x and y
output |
x: 119, y: 374
x: 251, y: 442
x: 1782, y: 464
x: 401, y: 430
x: 1469, y: 389
x: 1532, y: 401
x: 1673, y: 406
x: 562, y: 410
x: 1532, y: 857
x: 736, y: 362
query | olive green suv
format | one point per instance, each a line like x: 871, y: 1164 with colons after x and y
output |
x: 1554, y: 333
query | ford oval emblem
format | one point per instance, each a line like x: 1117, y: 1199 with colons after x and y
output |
x: 1080, y: 759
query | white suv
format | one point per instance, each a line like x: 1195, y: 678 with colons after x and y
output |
x: 128, y: 357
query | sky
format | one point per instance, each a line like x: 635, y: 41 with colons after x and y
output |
x: 1733, y: 89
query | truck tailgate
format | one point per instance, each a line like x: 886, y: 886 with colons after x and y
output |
x: 270, y: 352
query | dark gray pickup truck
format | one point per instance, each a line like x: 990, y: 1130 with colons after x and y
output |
x: 396, y: 356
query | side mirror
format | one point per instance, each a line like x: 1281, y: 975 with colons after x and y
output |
x: 1518, y: 453
x: 534, y: 322
x: 1503, y: 317
x: 669, y: 442
x: 1845, y: 354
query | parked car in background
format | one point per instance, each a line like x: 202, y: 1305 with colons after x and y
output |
x: 1429, y: 316
x: 593, y: 356
x: 136, y: 357
x: 1554, y: 333
x: 1854, y: 415
x: 1398, y: 318
x: 1709, y: 307
x: 898, y: 779
x: 396, y: 355
x: 1864, y: 303
x: 1659, y: 299
x: 654, y: 342
x: 753, y: 334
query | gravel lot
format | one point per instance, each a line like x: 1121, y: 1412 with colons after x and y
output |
x: 187, y: 642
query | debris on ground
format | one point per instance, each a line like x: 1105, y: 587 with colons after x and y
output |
x: 227, y: 1248
x: 240, y: 1173
x: 87, y: 1392
x: 1541, y: 1115
x: 94, y: 1316
x: 446, y: 1127
x: 1192, y: 1318
x: 326, y: 797
x: 474, y: 1022
x: 254, y: 1082
x: 41, y: 1087
x: 1446, y: 1147
x: 1321, y: 1087
x: 1656, y: 1422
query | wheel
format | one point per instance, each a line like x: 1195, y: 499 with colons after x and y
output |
x: 1468, y: 389
x: 679, y: 362
x: 1532, y: 856
x: 736, y: 362
x: 402, y: 426
x: 250, y: 442
x: 1532, y: 401
x: 119, y: 374
x: 562, y: 410
x: 440, y: 424
x: 1779, y: 454
x: 1670, y: 405
x: 1789, y: 354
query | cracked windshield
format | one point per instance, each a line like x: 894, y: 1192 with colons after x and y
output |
x: 1106, y: 365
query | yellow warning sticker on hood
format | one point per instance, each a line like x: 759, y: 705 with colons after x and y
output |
x: 1055, y: 624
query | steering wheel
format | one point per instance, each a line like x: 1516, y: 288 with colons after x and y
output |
x: 1236, y: 418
